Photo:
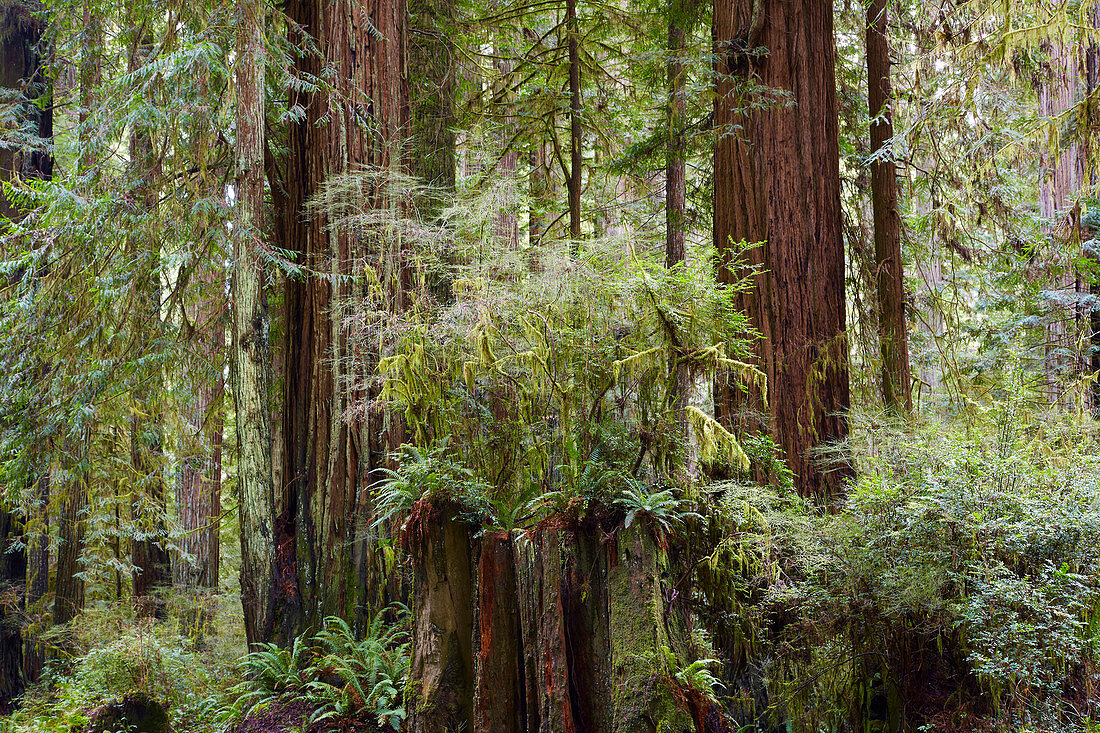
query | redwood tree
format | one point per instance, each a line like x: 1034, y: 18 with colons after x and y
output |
x: 250, y: 358
x: 893, y: 331
x: 323, y: 540
x: 777, y: 188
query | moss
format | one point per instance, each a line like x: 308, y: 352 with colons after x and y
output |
x: 642, y: 698
x: 137, y: 713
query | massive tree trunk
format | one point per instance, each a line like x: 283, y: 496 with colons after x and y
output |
x: 328, y: 458
x: 777, y: 187
x: 893, y: 331
x: 442, y: 657
x: 572, y: 630
x: 250, y: 357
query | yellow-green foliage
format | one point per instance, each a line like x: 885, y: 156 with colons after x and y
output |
x: 115, y: 654
x: 527, y: 374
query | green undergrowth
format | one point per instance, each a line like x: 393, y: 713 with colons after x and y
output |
x: 109, y: 654
x: 344, y: 682
x: 957, y: 590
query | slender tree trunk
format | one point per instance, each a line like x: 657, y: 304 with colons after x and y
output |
x: 13, y: 573
x: 1092, y: 83
x: 676, y: 201
x: 508, y: 165
x: 675, y: 152
x: 69, y: 586
x: 893, y: 331
x: 777, y: 187
x: 432, y: 90
x: 149, y: 505
x: 250, y: 357
x: 576, y: 127
x: 340, y: 569
x: 1061, y: 181
x: 38, y: 576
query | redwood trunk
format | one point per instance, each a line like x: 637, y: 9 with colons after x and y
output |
x: 250, y: 358
x: 893, y: 331
x: 328, y: 458
x: 442, y: 653
x: 777, y: 187
x: 500, y: 694
x: 69, y: 587
x: 1062, y: 173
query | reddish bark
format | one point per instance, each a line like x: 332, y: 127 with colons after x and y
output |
x: 777, y: 187
x: 500, y: 695
x: 893, y: 330
x: 327, y: 459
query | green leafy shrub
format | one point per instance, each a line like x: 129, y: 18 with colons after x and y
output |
x: 143, y: 659
x: 958, y: 589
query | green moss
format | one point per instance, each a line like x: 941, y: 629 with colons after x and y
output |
x: 642, y: 699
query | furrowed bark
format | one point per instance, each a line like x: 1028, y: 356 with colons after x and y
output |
x: 250, y: 357
x: 777, y: 187
x: 328, y: 459
x: 69, y: 586
x: 893, y: 330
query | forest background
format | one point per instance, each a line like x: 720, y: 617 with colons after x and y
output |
x: 549, y: 365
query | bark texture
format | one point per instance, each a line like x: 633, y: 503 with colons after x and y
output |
x: 500, y: 694
x: 13, y: 572
x: 777, y: 188
x: 893, y: 330
x: 329, y: 457
x: 1062, y: 170
x: 250, y: 357
x: 572, y: 631
x: 69, y: 587
x: 441, y: 698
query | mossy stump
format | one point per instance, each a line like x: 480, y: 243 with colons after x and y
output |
x: 137, y: 712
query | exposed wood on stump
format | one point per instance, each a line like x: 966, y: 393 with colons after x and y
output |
x: 500, y: 695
